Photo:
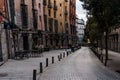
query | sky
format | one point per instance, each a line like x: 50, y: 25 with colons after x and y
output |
x: 80, y: 11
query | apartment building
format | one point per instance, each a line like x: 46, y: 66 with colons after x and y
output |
x: 24, y: 22
x: 51, y: 19
x: 114, y: 39
x: 31, y: 23
x: 54, y: 22
x: 72, y: 19
x: 80, y: 30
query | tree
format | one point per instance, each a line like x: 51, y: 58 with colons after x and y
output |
x: 92, y: 30
x: 106, y: 13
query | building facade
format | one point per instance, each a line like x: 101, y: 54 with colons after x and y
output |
x: 56, y: 22
x: 80, y: 30
x: 37, y: 23
x: 22, y: 35
x: 72, y: 18
x: 114, y: 40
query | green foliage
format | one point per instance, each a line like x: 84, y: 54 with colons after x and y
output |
x: 92, y: 31
x: 105, y: 13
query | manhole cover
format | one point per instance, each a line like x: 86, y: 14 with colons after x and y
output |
x: 3, y: 74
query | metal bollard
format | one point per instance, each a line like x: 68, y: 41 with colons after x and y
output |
x: 67, y: 53
x: 46, y: 62
x: 63, y: 55
x: 41, y: 68
x: 58, y: 58
x: 52, y: 60
x: 34, y: 74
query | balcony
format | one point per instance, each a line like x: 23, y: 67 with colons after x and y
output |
x: 55, y: 7
x: 49, y: 5
x: 66, y: 12
x: 44, y: 2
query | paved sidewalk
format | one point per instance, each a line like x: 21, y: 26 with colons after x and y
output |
x: 23, y: 69
x: 81, y: 65
x: 114, y: 60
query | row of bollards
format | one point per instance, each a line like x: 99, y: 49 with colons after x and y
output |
x: 41, y: 65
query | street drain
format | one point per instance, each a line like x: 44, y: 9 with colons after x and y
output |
x: 3, y: 74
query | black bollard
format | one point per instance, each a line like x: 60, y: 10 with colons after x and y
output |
x: 41, y: 68
x: 34, y: 74
x: 58, y: 58
x: 67, y: 53
x: 46, y: 62
x: 63, y: 55
x: 52, y: 60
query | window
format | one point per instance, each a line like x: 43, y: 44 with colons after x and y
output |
x: 22, y: 1
x: 60, y: 4
x: 39, y: 5
x: 55, y: 2
x: 45, y: 21
x: 40, y: 18
x: 65, y: 7
x: 35, y: 16
x: 56, y: 26
x: 60, y: 14
x: 55, y: 14
x: 61, y: 23
x: 65, y: 18
x: 44, y: 10
x: 24, y: 15
x: 48, y: 1
x: 49, y: 12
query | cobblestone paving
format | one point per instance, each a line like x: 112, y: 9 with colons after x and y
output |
x: 81, y: 65
x: 23, y: 69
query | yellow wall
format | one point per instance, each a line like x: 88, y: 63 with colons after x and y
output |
x: 60, y: 10
x: 61, y: 19
x: 18, y: 13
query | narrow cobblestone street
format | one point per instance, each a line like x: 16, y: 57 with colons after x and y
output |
x: 81, y: 65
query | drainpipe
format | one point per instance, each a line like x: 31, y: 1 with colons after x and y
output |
x: 8, y: 31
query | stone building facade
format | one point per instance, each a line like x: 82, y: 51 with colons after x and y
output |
x: 80, y: 30
x: 33, y: 23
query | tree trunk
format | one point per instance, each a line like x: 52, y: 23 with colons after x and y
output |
x: 101, y: 45
x: 106, y: 47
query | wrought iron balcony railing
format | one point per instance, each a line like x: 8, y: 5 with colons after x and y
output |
x: 49, y: 5
x: 55, y: 7
x: 66, y: 12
